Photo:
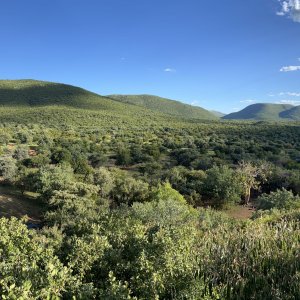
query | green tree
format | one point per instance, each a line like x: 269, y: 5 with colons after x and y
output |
x: 104, y: 179
x: 8, y: 169
x: 127, y: 189
x: 250, y: 177
x: 222, y: 186
x: 60, y: 155
x: 21, y: 152
x: 28, y: 269
x: 281, y: 199
x: 53, y: 178
x: 123, y: 156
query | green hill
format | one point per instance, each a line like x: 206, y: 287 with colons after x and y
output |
x: 260, y: 111
x: 30, y: 93
x: 166, y: 106
x: 292, y: 113
x: 217, y: 113
x: 32, y: 101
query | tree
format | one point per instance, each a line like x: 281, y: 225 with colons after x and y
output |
x: 127, y: 189
x: 281, y: 199
x: 21, y: 152
x: 29, y: 269
x: 25, y: 179
x: 61, y: 155
x: 104, y: 179
x: 123, y: 156
x: 250, y: 177
x: 221, y: 186
x: 97, y: 159
x: 8, y: 169
x: 53, y: 178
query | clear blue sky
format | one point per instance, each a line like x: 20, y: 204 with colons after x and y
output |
x: 220, y: 55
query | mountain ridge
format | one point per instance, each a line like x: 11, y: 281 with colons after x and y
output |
x: 33, y: 93
x: 266, y: 112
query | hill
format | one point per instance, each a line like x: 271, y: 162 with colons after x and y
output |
x: 166, y: 106
x: 217, y: 113
x: 261, y: 111
x: 30, y: 93
x: 32, y: 101
x: 292, y: 113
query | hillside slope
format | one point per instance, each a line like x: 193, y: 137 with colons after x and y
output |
x: 217, y: 113
x: 292, y: 113
x: 33, y: 101
x: 30, y: 93
x: 260, y: 111
x: 166, y: 106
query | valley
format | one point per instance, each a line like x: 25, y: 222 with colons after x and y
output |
x: 108, y: 194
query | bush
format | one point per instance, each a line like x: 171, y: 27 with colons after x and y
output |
x: 281, y: 199
x: 221, y: 186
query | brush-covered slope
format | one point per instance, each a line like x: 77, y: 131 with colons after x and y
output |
x: 292, y: 113
x: 217, y: 113
x: 260, y: 111
x: 30, y: 93
x: 166, y: 106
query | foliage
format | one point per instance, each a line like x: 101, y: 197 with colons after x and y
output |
x: 222, y: 185
x: 166, y: 106
x: 281, y: 199
x: 125, y: 188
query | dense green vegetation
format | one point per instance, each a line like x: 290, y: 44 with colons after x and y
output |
x: 135, y: 203
x: 267, y: 112
x: 167, y: 106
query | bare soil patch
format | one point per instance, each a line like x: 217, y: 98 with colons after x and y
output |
x: 241, y: 211
x: 12, y: 203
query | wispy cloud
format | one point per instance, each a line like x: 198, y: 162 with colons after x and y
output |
x: 170, y: 70
x: 292, y: 94
x: 290, y: 68
x: 248, y: 101
x: 290, y: 8
x: 292, y: 102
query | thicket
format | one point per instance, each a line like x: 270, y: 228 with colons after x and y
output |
x: 126, y: 209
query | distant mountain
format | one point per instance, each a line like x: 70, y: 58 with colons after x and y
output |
x: 166, y: 106
x: 265, y: 111
x: 217, y: 113
x: 292, y: 113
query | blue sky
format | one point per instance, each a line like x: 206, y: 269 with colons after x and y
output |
x: 220, y: 55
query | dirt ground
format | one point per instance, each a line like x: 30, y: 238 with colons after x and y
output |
x: 241, y: 212
x: 13, y: 204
